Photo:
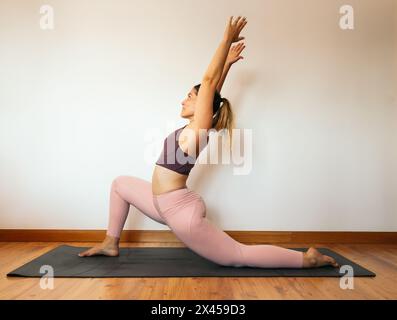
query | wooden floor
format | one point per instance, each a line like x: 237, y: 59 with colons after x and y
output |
x: 379, y: 258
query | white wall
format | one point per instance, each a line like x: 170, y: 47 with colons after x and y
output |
x: 76, y: 104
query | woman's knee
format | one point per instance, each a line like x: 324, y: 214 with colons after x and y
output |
x: 232, y: 262
x: 120, y: 180
x: 229, y: 261
x: 238, y: 259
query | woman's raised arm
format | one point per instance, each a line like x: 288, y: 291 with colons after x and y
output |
x: 231, y: 35
x: 233, y: 56
x: 203, y: 113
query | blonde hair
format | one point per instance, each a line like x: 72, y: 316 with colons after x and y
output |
x: 224, y: 119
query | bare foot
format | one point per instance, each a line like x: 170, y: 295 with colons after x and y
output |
x: 109, y: 247
x: 313, y: 259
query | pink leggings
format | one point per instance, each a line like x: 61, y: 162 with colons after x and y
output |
x: 184, y: 211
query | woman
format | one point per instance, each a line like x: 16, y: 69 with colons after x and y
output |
x: 169, y: 201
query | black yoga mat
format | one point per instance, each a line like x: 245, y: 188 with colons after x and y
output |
x: 164, y: 262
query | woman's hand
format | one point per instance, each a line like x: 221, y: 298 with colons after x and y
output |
x: 234, y: 54
x: 233, y: 29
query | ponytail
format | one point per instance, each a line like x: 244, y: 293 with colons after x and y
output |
x: 224, y: 119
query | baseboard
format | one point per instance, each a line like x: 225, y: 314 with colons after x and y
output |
x: 166, y: 236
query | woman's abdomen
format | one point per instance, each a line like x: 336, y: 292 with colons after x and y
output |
x: 165, y: 180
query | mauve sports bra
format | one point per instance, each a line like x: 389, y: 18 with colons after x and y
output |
x: 170, y: 155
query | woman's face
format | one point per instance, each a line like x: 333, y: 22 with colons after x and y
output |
x: 188, y: 105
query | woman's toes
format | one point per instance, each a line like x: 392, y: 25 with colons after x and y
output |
x: 97, y: 251
x: 331, y: 261
x: 88, y: 253
x: 335, y: 264
x: 84, y: 254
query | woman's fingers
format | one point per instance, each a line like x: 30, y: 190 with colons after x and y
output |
x: 244, y: 24
x: 240, y: 21
x: 235, y: 27
x: 240, y: 48
x: 241, y: 27
x: 236, y: 47
x: 237, y: 20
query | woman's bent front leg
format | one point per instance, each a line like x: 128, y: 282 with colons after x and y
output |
x: 126, y: 191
